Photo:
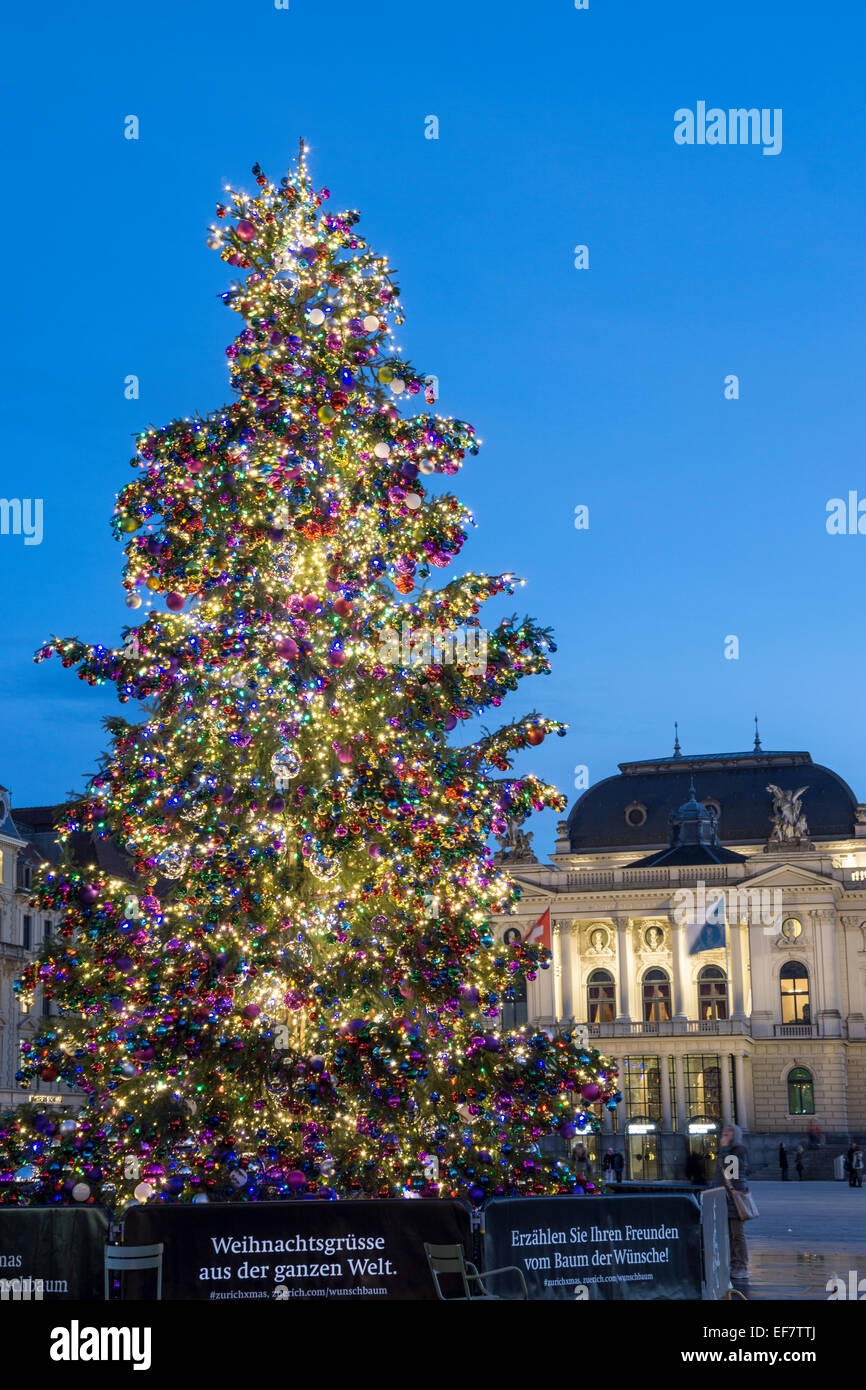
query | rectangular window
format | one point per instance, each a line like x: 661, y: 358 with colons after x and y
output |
x: 46, y: 931
x: 642, y: 1088
x: 27, y: 933
x: 702, y: 1078
x: 672, y: 1081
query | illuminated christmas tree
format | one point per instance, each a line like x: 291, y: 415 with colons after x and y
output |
x: 296, y: 987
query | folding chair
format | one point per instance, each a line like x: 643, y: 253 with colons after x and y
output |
x: 450, y: 1259
x: 120, y: 1258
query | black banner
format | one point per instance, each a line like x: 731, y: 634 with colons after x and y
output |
x: 279, y: 1250
x: 591, y: 1248
x: 51, y: 1254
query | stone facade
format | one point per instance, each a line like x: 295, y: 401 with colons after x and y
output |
x: 757, y: 1017
x: 21, y: 934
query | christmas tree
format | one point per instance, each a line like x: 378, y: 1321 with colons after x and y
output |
x: 296, y: 987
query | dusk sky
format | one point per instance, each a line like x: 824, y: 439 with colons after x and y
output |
x: 602, y: 387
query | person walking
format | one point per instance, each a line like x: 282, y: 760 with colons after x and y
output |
x: 798, y: 1161
x: 854, y: 1164
x: 783, y: 1162
x: 732, y: 1167
x: 618, y: 1165
x: 582, y: 1161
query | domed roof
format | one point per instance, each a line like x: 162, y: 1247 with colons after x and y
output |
x: 693, y: 810
x: 633, y: 809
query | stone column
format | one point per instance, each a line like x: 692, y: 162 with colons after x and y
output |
x: 680, y: 1014
x: 624, y: 968
x: 738, y: 979
x: 725, y: 1087
x: 829, y: 1015
x: 742, y: 1098
x: 679, y: 1077
x: 665, y: 1079
x: 854, y: 1004
x: 566, y: 980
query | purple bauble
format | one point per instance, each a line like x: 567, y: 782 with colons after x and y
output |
x: 175, y: 602
x: 87, y: 895
x: 590, y: 1091
x: 251, y: 1011
x: 276, y: 803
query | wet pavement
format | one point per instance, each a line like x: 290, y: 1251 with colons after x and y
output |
x: 807, y: 1235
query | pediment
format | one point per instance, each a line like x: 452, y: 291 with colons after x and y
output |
x: 791, y: 876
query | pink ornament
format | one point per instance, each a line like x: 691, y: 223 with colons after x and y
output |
x: 175, y: 602
x: 251, y: 1011
x: 590, y: 1091
x: 287, y: 649
x: 246, y: 231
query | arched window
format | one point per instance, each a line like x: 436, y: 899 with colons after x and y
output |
x: 515, y: 1009
x: 600, y: 997
x: 656, y: 997
x: 801, y: 1092
x: 712, y: 993
x: 794, y: 986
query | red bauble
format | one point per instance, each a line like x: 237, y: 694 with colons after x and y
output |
x: 175, y: 602
x: 535, y: 736
x: 48, y: 1073
x: 342, y: 607
x: 246, y: 231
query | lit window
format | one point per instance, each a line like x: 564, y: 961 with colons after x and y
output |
x: 656, y: 997
x: 600, y: 998
x: 794, y: 987
x: 712, y: 993
x: 801, y: 1092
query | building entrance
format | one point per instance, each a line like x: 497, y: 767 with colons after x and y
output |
x: 643, y: 1151
x: 703, y: 1149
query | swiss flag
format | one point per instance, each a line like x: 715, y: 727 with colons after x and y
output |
x: 539, y: 935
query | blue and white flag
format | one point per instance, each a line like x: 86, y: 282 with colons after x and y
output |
x: 705, y: 926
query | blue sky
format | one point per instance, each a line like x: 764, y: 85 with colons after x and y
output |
x: 602, y: 387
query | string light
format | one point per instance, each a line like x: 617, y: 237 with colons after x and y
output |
x: 297, y: 986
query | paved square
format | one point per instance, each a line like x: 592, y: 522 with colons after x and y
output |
x: 807, y: 1233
